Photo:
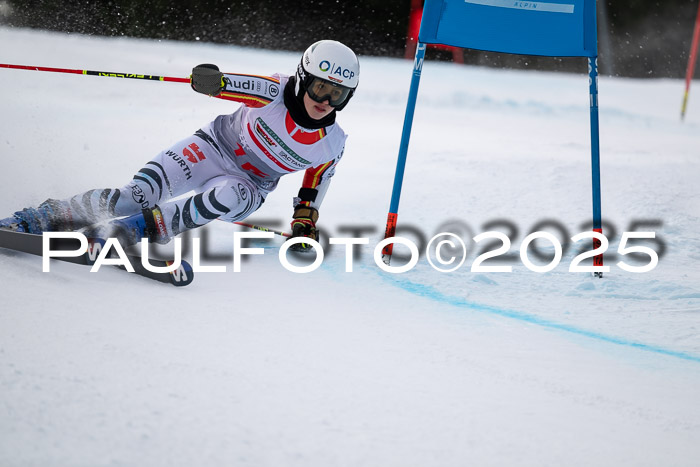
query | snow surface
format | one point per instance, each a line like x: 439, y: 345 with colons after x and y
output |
x: 267, y: 368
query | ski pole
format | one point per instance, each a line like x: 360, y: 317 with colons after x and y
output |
x: 263, y: 229
x: 96, y: 73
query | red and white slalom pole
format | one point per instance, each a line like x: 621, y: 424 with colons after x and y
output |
x: 691, y: 62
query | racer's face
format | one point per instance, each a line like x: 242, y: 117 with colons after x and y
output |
x: 316, y: 110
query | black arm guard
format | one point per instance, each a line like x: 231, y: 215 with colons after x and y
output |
x: 207, y: 79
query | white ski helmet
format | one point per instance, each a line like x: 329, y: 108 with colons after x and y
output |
x: 329, y: 71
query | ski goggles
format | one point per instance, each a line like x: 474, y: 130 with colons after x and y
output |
x: 321, y: 90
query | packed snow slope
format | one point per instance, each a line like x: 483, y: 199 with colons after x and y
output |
x: 266, y: 367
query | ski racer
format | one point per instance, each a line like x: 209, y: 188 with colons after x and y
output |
x: 287, y: 124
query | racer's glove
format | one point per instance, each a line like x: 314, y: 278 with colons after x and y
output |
x: 207, y: 79
x: 304, y: 225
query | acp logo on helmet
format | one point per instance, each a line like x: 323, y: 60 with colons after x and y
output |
x: 326, y: 66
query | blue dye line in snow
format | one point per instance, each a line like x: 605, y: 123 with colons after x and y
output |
x: 434, y: 294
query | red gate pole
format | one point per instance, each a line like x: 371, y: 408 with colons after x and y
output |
x: 691, y: 62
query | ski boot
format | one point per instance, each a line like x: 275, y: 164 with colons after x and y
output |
x: 149, y: 224
x: 15, y: 224
x: 49, y: 216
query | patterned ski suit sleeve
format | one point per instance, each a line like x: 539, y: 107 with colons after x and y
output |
x: 250, y: 90
x: 316, y: 182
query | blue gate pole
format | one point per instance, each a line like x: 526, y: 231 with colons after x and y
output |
x: 595, y: 155
x: 403, y: 150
